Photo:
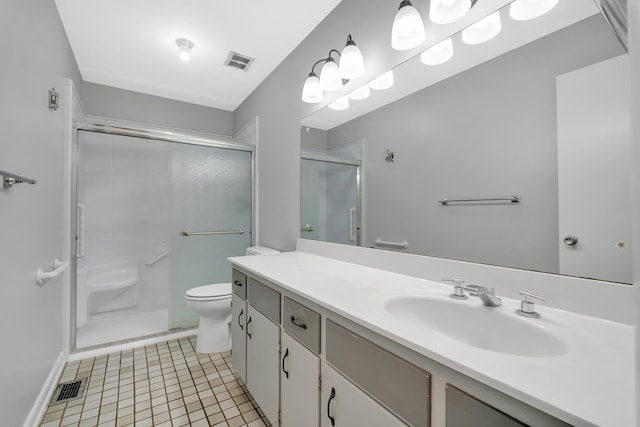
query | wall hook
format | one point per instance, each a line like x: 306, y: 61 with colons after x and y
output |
x: 53, y: 99
x: 390, y: 156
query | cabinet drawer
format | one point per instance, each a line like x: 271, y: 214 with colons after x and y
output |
x: 401, y: 386
x: 303, y: 323
x: 264, y: 299
x: 239, y: 283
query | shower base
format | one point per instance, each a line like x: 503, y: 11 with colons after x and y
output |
x: 113, y: 330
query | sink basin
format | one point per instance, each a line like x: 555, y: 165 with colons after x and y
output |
x: 494, y: 329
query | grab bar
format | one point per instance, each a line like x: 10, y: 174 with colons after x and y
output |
x: 149, y: 263
x: 399, y: 245
x: 80, y: 230
x: 512, y: 199
x: 58, y: 268
x: 210, y: 233
x: 12, y: 178
x: 307, y: 228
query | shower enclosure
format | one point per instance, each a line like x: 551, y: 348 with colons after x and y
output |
x: 157, y: 214
x: 330, y: 199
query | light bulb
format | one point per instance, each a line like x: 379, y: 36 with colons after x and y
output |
x: 383, y: 81
x: 184, y: 46
x: 448, y: 11
x: 438, y: 54
x: 523, y: 10
x: 362, y: 92
x: 340, y: 104
x: 330, y: 79
x: 351, y: 61
x: 311, y: 91
x: 408, y: 29
x: 483, y: 30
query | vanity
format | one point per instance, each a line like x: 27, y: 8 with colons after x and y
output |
x: 324, y: 342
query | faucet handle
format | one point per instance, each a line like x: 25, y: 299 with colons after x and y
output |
x: 458, y: 288
x: 527, y: 305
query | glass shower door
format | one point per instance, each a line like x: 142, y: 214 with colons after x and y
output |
x: 211, y: 193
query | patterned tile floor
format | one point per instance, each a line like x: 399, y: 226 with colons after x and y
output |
x: 166, y: 384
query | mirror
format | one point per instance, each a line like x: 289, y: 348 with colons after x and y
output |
x: 515, y: 153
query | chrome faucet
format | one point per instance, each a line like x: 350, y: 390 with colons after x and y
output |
x: 488, y: 297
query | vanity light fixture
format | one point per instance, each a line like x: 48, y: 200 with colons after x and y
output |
x: 341, y: 103
x: 312, y: 91
x: 383, y: 81
x: 330, y: 79
x: 448, y: 11
x: 483, y: 30
x: 408, y: 29
x: 184, y: 46
x: 523, y: 10
x: 438, y: 54
x: 362, y: 92
x: 351, y: 61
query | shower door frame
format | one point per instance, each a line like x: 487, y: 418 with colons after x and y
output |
x: 145, y: 132
x: 339, y: 161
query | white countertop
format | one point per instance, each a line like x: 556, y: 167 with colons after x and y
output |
x: 593, y: 384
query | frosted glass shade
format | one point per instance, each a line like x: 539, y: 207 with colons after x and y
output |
x: 408, y: 29
x: 362, y: 92
x: 340, y: 103
x: 438, y: 54
x: 351, y: 62
x: 448, y: 11
x: 311, y: 91
x: 383, y: 81
x: 523, y: 10
x: 330, y: 79
x: 483, y: 30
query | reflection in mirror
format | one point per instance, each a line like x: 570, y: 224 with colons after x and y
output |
x: 541, y: 112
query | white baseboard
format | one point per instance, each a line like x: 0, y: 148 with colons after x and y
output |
x: 42, y: 401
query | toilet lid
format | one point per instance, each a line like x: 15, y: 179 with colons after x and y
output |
x: 214, y: 291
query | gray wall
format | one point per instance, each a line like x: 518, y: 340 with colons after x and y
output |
x: 488, y: 131
x: 37, y: 57
x: 277, y: 101
x: 121, y: 104
x: 634, y: 50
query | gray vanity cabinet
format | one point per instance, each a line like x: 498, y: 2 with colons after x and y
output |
x: 345, y: 405
x: 300, y: 366
x: 464, y: 410
x: 263, y: 347
x: 238, y: 323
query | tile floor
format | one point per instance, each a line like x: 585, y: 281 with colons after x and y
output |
x: 166, y: 384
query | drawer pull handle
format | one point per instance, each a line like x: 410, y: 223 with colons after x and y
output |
x: 286, y: 354
x: 331, y: 397
x: 248, y: 321
x: 239, y: 316
x: 298, y: 323
x: 237, y: 283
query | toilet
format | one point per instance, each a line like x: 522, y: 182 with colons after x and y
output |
x: 213, y: 304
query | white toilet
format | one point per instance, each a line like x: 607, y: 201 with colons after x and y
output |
x: 213, y: 304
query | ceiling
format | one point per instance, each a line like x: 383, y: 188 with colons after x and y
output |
x: 130, y: 44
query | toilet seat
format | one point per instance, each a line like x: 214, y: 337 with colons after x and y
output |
x: 213, y: 292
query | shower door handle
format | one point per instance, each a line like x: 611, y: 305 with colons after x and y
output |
x: 239, y: 316
x: 248, y: 321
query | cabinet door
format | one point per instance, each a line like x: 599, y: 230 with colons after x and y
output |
x: 263, y: 363
x: 345, y: 405
x: 465, y: 410
x: 238, y: 337
x: 300, y: 390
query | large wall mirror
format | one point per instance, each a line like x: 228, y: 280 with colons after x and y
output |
x: 515, y: 152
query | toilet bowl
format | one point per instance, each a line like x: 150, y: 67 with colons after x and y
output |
x: 213, y: 304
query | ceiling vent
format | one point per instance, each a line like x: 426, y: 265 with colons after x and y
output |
x: 239, y: 61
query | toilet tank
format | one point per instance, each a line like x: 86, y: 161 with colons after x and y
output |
x: 260, y: 250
